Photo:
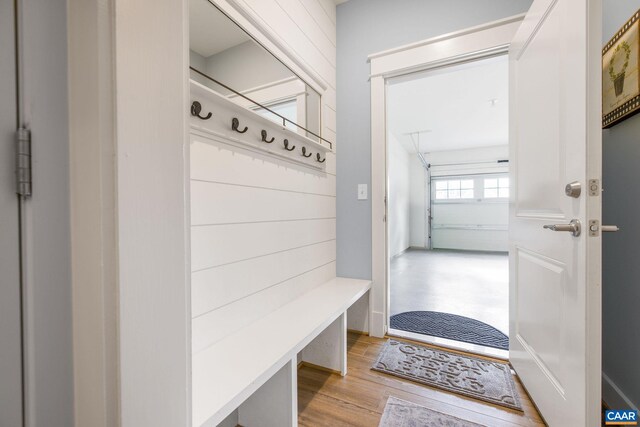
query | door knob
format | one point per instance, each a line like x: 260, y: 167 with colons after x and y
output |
x: 573, y: 189
x: 574, y: 227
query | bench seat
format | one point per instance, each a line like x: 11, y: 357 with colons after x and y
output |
x: 225, y: 374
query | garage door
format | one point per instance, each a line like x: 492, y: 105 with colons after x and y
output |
x: 470, y: 212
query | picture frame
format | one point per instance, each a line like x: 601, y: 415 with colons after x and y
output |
x: 620, y: 74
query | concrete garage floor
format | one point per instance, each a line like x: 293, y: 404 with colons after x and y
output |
x: 471, y: 284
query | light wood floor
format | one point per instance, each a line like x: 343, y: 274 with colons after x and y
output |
x: 358, y: 399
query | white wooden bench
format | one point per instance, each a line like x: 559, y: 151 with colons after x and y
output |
x: 254, y: 369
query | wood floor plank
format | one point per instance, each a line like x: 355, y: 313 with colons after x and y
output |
x: 359, y: 398
x: 318, y: 410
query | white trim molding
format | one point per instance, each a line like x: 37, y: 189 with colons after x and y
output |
x: 473, y: 43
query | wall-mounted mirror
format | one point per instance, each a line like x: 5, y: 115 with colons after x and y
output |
x: 223, y: 52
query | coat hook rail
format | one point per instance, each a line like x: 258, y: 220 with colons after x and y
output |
x: 264, y: 137
x: 284, y: 119
x: 318, y: 158
x: 196, y: 108
x: 286, y: 146
x: 234, y: 125
x: 304, y: 152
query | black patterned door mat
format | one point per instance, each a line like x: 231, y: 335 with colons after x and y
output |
x: 400, y: 413
x: 450, y: 326
x: 470, y: 376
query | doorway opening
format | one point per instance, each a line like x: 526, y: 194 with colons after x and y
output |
x: 448, y: 206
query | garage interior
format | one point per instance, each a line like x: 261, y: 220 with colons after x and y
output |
x: 448, y: 197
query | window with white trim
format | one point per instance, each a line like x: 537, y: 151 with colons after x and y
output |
x: 287, y: 109
x: 496, y: 188
x: 479, y: 188
x: 454, y: 189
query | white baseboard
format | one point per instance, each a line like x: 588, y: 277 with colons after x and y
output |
x: 401, y: 252
x: 613, y: 396
x: 377, y: 325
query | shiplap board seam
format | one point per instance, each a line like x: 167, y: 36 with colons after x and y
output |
x: 262, y: 255
x: 261, y: 222
x: 227, y: 320
x: 247, y: 204
x: 240, y: 239
x: 331, y: 18
x: 332, y: 61
x: 266, y: 288
x: 261, y: 188
x: 214, y: 224
x: 218, y: 286
x: 322, y: 27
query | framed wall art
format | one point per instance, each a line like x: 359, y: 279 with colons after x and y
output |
x: 620, y: 66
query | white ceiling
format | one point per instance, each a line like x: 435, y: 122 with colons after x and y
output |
x: 465, y: 106
x: 210, y: 31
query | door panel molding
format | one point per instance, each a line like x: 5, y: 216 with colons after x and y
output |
x: 556, y: 277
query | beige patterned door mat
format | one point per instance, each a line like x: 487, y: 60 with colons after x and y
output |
x: 470, y: 376
x: 400, y: 413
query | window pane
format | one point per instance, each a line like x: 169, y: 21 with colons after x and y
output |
x: 466, y: 194
x: 503, y: 192
x: 441, y: 194
x: 441, y: 185
x: 467, y: 184
x: 454, y: 194
x: 490, y: 193
x: 490, y: 183
x: 504, y: 182
x: 454, y: 185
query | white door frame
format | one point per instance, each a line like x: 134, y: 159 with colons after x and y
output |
x: 474, y: 43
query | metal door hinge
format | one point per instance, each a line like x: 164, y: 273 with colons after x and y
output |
x: 594, y: 187
x: 23, y: 163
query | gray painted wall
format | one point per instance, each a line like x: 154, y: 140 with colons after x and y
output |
x: 365, y: 27
x: 621, y: 270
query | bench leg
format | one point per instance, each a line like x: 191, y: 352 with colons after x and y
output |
x: 329, y: 349
x: 275, y: 404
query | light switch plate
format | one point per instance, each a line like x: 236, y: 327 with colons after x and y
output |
x: 362, y: 192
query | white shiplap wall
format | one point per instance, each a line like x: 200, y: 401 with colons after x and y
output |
x: 263, y: 230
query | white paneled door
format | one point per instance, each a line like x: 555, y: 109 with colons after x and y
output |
x: 10, y: 325
x: 555, y: 283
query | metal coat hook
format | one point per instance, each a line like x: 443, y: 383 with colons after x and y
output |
x: 286, y: 146
x: 318, y: 158
x: 264, y: 137
x: 304, y: 152
x: 196, y: 107
x: 234, y: 125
